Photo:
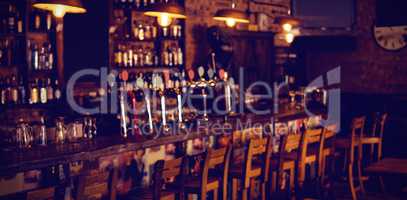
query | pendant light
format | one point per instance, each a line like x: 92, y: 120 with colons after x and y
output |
x: 60, y: 7
x: 289, y: 25
x: 165, y: 12
x: 231, y: 16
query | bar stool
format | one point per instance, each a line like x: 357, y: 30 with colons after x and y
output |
x: 328, y: 150
x: 213, y: 176
x: 310, y: 151
x: 351, y: 145
x: 245, y: 173
x: 97, y: 185
x: 168, y: 182
x: 286, y: 159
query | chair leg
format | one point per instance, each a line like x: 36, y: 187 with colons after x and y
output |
x: 234, y: 189
x: 351, y: 182
x: 215, y: 194
x: 360, y: 177
x: 263, y: 191
x: 252, y: 190
x: 244, y: 193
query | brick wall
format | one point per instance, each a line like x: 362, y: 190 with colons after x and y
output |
x: 368, y: 68
x: 199, y: 18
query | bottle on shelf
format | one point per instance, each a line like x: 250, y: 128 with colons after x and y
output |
x: 57, y: 91
x: 43, y: 92
x: 50, y: 91
x: 34, y: 93
x: 14, y: 90
x: 22, y: 92
x: 11, y: 19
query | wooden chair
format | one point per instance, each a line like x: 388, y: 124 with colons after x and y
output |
x: 41, y: 194
x: 327, y: 148
x: 352, y: 145
x: 97, y: 185
x: 213, y: 176
x: 168, y: 182
x: 286, y: 160
x: 251, y: 169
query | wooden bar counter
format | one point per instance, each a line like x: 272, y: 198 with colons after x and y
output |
x: 13, y: 160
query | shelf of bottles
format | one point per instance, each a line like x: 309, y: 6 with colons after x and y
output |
x: 138, y: 43
x: 27, y: 58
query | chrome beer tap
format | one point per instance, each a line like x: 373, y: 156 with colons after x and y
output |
x: 123, y: 111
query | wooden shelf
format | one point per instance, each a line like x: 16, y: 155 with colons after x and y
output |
x: 147, y: 69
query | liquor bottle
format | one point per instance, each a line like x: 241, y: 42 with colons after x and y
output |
x: 8, y: 91
x: 22, y: 92
x: 170, y: 57
x: 57, y: 91
x: 137, y: 3
x: 49, y: 21
x: 118, y: 56
x: 11, y: 19
x: 180, y: 57
x: 14, y: 90
x: 43, y: 92
x: 35, y: 57
x: 2, y: 92
x: 50, y: 57
x: 36, y: 21
x: 42, y: 58
x: 34, y: 94
x: 50, y: 91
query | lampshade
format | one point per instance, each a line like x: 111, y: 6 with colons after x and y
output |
x: 231, y: 14
x: 288, y: 20
x: 60, y: 7
x: 172, y: 10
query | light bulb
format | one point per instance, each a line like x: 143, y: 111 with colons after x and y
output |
x: 59, y: 11
x: 289, y: 37
x: 164, y: 20
x: 230, y: 22
x: 287, y: 27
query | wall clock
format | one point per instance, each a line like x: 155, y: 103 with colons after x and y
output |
x: 391, y: 38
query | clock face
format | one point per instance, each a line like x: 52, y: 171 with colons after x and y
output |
x: 391, y: 38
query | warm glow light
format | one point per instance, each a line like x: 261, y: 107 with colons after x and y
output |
x: 289, y: 37
x: 230, y: 22
x: 287, y: 27
x: 59, y: 11
x: 164, y: 19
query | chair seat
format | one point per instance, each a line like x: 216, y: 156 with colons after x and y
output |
x: 146, y: 193
x: 344, y: 143
x: 393, y: 166
x: 193, y: 185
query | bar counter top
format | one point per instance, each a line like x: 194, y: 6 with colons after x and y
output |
x: 13, y: 160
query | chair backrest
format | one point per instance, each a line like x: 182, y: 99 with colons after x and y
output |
x: 97, y: 185
x: 41, y: 194
x: 378, y: 123
x: 241, y: 137
x: 310, y: 137
x: 357, y: 133
x: 256, y: 150
x: 165, y: 171
x: 217, y: 160
x: 326, y: 146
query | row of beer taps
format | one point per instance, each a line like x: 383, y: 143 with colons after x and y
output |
x: 164, y: 83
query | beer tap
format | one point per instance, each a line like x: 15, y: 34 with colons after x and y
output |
x: 148, y: 105
x: 159, y: 87
x: 178, y: 92
x: 203, y: 84
x: 123, y: 116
